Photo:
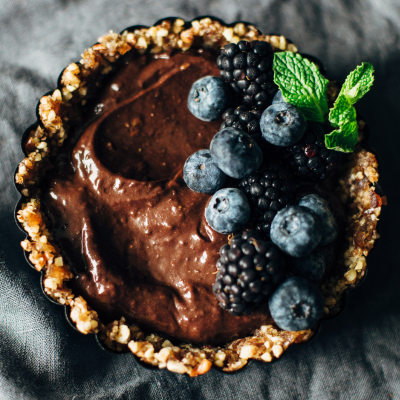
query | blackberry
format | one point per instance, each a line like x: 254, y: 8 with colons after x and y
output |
x: 268, y: 191
x: 247, y: 67
x: 244, y: 118
x: 249, y: 270
x: 248, y: 119
x: 309, y: 158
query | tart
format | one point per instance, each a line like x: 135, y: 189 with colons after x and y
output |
x: 119, y: 237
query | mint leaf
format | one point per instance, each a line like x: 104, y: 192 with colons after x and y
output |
x: 301, y: 84
x: 358, y: 83
x: 343, y: 139
x: 342, y: 112
x: 343, y: 115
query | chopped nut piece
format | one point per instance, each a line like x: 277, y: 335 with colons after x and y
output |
x: 176, y: 366
x: 123, y: 335
x: 266, y: 357
x: 163, y: 354
x: 351, y: 276
x: 58, y: 262
x: 248, y: 351
x: 201, y: 368
x: 277, y: 350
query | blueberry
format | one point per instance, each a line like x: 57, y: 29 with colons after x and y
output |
x: 228, y: 211
x: 278, y: 98
x: 209, y: 98
x: 321, y: 208
x: 296, y: 305
x: 202, y: 174
x: 313, y: 266
x: 296, y: 231
x: 282, y: 124
x: 235, y: 152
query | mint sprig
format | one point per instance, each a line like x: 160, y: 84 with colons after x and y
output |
x: 304, y: 86
x: 343, y: 115
x: 301, y: 84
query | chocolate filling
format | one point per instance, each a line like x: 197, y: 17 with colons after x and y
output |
x: 134, y: 233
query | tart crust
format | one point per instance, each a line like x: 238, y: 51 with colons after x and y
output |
x: 59, y: 111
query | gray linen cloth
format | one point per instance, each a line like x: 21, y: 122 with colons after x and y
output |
x: 356, y: 356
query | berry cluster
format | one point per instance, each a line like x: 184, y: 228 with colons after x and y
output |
x: 252, y: 138
x: 249, y: 269
x: 247, y: 67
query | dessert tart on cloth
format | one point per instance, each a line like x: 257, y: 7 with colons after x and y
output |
x: 124, y: 205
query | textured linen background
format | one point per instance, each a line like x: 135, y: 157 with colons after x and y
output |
x: 356, y: 356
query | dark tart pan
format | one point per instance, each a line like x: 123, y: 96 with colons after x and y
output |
x: 347, y: 295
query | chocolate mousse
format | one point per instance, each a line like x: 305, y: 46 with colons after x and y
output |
x: 133, y: 231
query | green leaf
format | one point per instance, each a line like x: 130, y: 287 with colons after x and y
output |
x: 358, y: 83
x: 343, y: 115
x: 301, y: 84
x: 344, y: 138
x: 342, y: 112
